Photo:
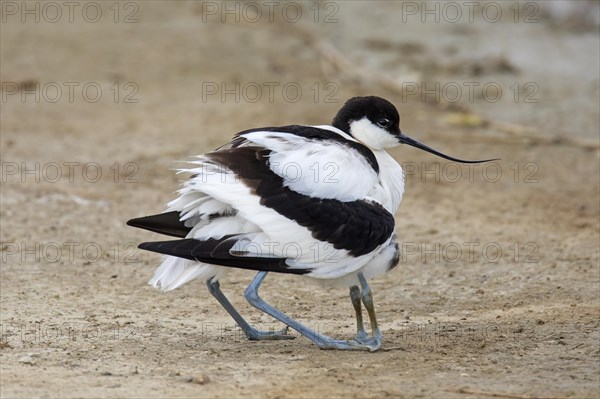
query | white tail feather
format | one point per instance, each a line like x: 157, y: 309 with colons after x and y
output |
x: 174, y: 272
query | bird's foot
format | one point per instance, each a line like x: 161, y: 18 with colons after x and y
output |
x: 256, y: 335
x: 361, y: 336
x: 370, y: 344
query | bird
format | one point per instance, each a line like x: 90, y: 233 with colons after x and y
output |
x: 318, y: 202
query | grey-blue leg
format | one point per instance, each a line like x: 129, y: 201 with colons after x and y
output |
x: 323, y: 341
x: 252, y: 333
x: 355, y: 296
x: 367, y: 299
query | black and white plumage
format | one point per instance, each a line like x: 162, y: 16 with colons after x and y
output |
x: 317, y: 201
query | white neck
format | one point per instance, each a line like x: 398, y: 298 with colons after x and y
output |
x: 391, y: 182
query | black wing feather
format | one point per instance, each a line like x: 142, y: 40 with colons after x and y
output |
x: 216, y: 252
x: 164, y: 223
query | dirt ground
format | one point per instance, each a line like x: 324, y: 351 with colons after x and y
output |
x: 497, y: 292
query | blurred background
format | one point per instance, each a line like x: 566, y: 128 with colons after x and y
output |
x: 498, y: 287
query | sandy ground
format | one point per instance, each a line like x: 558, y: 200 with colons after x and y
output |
x: 498, y: 287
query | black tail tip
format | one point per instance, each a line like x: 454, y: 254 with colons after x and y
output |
x: 133, y: 222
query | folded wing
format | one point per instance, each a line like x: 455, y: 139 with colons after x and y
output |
x: 289, y: 200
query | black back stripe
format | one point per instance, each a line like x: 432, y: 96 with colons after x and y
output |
x: 358, y: 226
x: 317, y: 134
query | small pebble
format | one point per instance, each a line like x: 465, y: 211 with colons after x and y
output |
x: 26, y: 359
x: 200, y: 379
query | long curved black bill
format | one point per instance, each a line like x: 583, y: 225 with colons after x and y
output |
x: 407, y: 140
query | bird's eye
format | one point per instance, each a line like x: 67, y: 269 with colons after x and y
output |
x: 383, y: 122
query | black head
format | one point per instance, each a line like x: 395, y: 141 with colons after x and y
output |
x: 379, y: 111
x: 375, y: 122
